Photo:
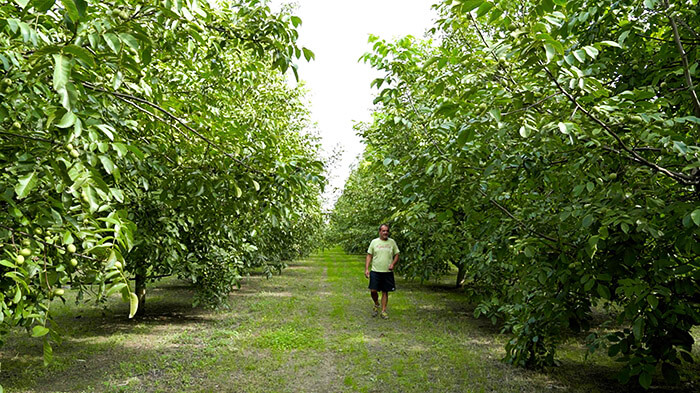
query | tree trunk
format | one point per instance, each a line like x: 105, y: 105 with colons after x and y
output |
x: 460, y: 274
x: 141, y: 292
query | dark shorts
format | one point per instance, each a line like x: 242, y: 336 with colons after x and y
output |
x: 382, y: 281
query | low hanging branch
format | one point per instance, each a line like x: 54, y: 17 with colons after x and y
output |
x: 153, y: 115
x: 28, y: 137
x: 127, y: 98
x: 680, y: 177
x: 520, y: 223
x: 45, y: 243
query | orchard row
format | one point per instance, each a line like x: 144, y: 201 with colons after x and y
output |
x: 142, y: 139
x: 549, y: 150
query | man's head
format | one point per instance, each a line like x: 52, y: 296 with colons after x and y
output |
x: 384, y: 231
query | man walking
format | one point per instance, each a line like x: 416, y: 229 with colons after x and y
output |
x: 382, y: 254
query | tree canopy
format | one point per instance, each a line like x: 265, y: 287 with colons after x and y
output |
x: 549, y: 150
x: 142, y: 139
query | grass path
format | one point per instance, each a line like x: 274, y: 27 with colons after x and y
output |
x: 307, y: 330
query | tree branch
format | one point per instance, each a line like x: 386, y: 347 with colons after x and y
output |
x: 680, y: 177
x: 173, y: 117
x: 503, y: 68
x: 690, y: 29
x: 520, y: 223
x: 153, y: 115
x: 428, y: 134
x: 29, y: 137
x: 692, y: 42
x: 531, y: 105
x: 684, y: 59
x: 45, y: 243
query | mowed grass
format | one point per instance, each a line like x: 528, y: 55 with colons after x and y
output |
x: 307, y: 330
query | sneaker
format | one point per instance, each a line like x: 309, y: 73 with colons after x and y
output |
x: 375, y: 310
x: 385, y: 315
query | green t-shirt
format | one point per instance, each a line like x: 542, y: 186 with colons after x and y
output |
x: 382, y: 252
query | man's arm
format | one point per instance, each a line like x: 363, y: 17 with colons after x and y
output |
x: 393, y: 263
x: 368, y: 260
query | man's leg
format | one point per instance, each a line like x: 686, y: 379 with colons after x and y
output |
x: 375, y: 297
x: 385, y: 300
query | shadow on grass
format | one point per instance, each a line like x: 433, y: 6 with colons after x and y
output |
x: 571, y: 374
x: 96, y: 340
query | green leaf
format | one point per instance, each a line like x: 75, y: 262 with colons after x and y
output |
x: 129, y: 40
x: 81, y: 53
x: 107, y: 130
x: 580, y: 55
x: 611, y: 43
x: 81, y: 5
x: 465, y: 134
x: 145, y: 54
x: 48, y: 352
x: 587, y: 221
x: 107, y: 164
x: 549, y: 51
x: 71, y: 10
x: 18, y: 295
x: 61, y: 71
x: 43, y: 5
x: 638, y: 328
x: 7, y: 263
x: 133, y: 304
x: 67, y: 120
x: 483, y: 9
x: 695, y: 215
x: 117, y: 194
x: 495, y: 113
x: 603, y: 291
x: 524, y: 131
x: 22, y: 3
x: 26, y: 184
x: 13, y: 24
x: 653, y: 301
x: 239, y: 192
x: 39, y: 331
x: 112, y: 42
x: 296, y: 21
x: 115, y: 288
x: 469, y: 5
x: 256, y: 185
x: 565, y: 128
x: 645, y: 380
x: 308, y: 54
x: 591, y: 51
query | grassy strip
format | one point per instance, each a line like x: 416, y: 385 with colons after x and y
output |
x: 309, y: 329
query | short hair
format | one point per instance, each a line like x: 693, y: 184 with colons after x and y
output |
x: 384, y: 225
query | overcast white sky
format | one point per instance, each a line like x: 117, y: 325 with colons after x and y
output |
x: 337, y: 32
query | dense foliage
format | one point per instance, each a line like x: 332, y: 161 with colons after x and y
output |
x: 549, y: 149
x: 143, y: 139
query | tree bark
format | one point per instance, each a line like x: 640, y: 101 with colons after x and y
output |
x: 460, y: 274
x: 141, y: 292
